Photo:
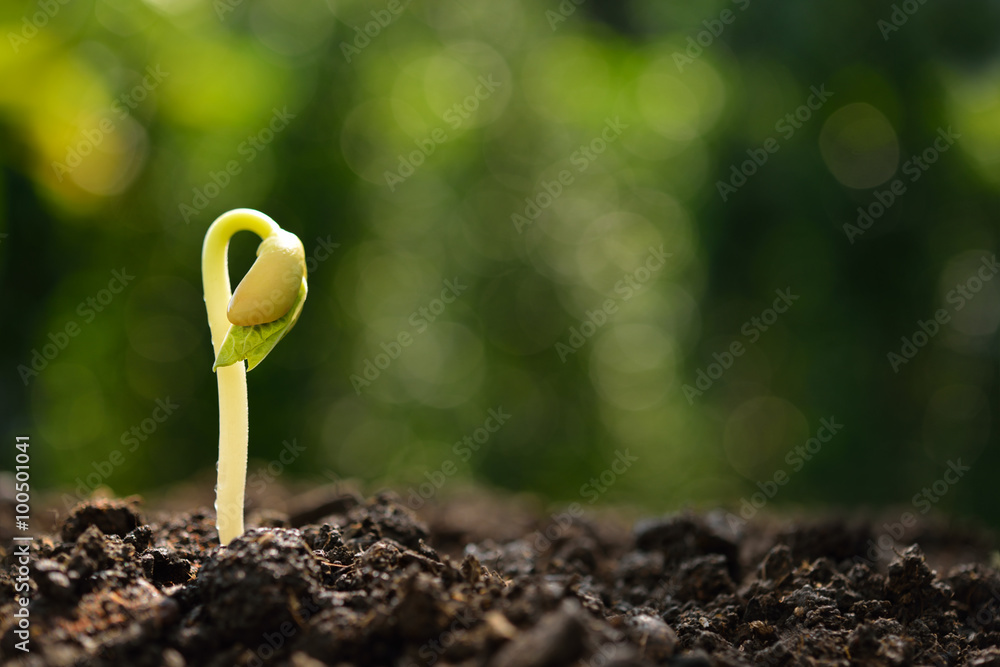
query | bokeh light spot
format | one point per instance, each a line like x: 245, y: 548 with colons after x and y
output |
x: 859, y: 146
x: 760, y: 432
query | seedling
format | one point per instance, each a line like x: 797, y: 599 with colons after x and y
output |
x: 246, y: 326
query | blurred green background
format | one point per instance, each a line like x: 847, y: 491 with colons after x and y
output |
x: 530, y: 155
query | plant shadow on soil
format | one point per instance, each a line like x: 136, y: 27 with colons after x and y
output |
x: 338, y: 579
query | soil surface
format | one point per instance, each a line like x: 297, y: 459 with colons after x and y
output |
x: 341, y: 580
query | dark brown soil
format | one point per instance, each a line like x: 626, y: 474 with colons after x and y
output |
x: 337, y: 580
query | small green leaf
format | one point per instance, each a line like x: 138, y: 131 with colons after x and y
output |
x: 255, y: 342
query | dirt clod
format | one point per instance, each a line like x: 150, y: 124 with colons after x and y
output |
x: 111, y: 517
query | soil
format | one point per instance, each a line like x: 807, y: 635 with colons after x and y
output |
x: 336, y: 579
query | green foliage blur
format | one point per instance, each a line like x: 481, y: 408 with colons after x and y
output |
x: 567, y: 212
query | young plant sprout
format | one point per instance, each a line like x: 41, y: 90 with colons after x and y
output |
x: 246, y: 326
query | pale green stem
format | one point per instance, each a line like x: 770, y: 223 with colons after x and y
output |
x: 233, y: 417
